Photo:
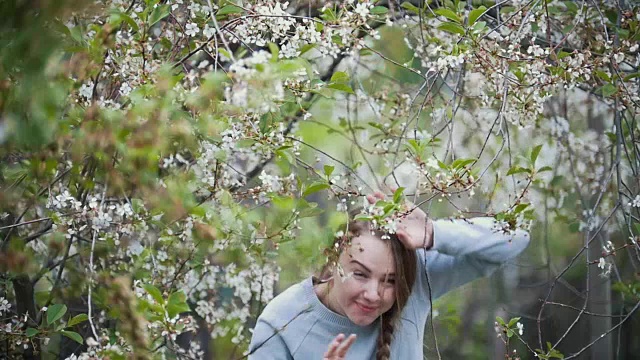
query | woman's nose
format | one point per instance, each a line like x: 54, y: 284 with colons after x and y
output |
x: 372, y: 291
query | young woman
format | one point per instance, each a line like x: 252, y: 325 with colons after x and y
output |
x: 379, y: 289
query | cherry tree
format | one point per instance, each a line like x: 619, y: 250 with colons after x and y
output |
x: 158, y: 156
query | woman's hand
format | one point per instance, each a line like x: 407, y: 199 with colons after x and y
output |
x: 338, y: 348
x: 415, y: 230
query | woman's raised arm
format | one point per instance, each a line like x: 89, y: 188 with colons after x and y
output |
x: 466, y: 249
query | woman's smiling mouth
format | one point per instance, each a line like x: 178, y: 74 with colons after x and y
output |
x: 366, y: 309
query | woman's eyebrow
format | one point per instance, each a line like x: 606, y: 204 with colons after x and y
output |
x: 361, y: 264
x: 391, y: 274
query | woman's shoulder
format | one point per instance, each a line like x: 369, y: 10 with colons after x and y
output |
x: 288, y: 305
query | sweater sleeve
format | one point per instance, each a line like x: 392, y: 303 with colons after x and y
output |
x: 464, y: 250
x: 266, y: 343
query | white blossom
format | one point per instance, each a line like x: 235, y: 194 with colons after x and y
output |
x: 86, y: 90
x: 362, y: 9
x: 208, y: 31
x: 125, y: 89
x: 4, y: 305
x: 602, y: 263
x: 192, y: 29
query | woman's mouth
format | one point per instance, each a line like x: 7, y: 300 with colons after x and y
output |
x: 366, y: 309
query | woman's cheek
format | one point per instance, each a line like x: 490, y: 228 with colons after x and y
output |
x: 389, y: 299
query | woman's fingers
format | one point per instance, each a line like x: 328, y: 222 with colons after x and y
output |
x: 339, y: 346
x: 372, y: 199
x: 405, y: 238
x: 342, y: 349
x: 333, y: 347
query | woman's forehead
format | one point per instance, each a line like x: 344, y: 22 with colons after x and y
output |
x: 372, y: 252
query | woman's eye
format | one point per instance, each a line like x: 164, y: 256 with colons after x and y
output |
x: 358, y: 274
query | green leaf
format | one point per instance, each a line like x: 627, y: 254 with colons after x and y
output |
x: 340, y: 77
x: 534, y: 153
x: 177, y: 304
x: 518, y: 209
x: 225, y: 53
x: 72, y: 335
x: 315, y: 187
x: 286, y: 155
x: 229, y: 9
x: 460, y: 163
x: 387, y: 209
x: 449, y: 14
x: 553, y: 353
x: 159, y: 13
x: 77, y: 319
x: 544, y: 168
x: 154, y: 292
x: 275, y: 51
x: 341, y: 87
x: 328, y: 170
x: 623, y: 33
x: 410, y: 7
x: 514, y: 321
x: 379, y: 10
x: 31, y: 332
x: 510, y: 333
x: 397, y: 196
x: 55, y: 312
x: 475, y: 14
x: 608, y: 90
x: 119, y: 17
x: 603, y: 75
x: 517, y: 170
x: 500, y: 321
x: 479, y: 26
x: 363, y: 217
x: 306, y: 47
x: 451, y: 28
x: 632, y: 76
x: 573, y: 8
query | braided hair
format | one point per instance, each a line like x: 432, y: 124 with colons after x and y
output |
x: 383, y: 346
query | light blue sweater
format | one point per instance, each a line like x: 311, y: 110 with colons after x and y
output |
x: 296, y: 325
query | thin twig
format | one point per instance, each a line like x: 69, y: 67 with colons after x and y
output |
x: 92, y: 272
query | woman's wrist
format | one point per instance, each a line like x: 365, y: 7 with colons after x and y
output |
x: 427, y: 242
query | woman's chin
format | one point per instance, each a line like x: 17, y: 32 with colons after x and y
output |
x: 361, y: 320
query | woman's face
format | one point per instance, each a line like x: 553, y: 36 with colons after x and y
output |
x: 365, y: 288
